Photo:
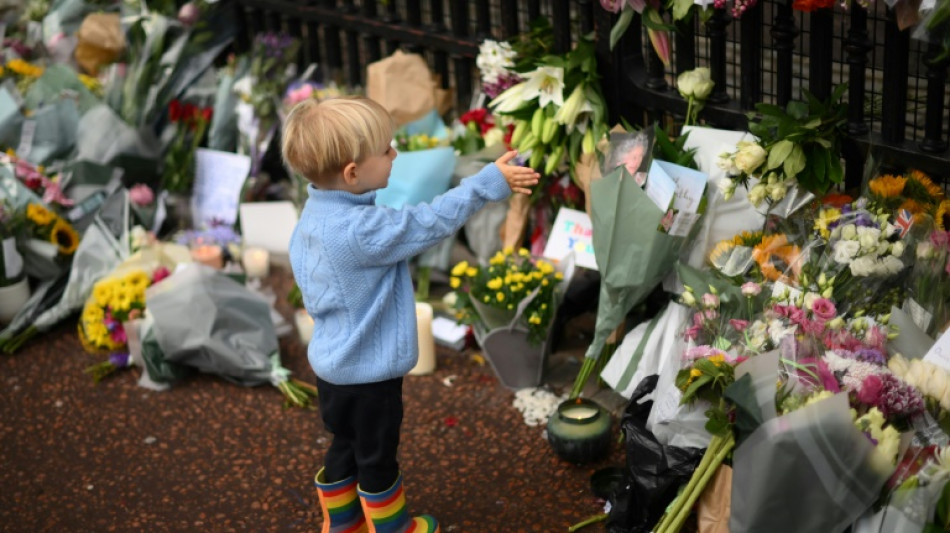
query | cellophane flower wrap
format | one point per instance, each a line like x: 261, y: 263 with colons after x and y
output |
x: 498, y: 289
x: 929, y: 283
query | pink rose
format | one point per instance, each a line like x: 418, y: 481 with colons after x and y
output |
x: 823, y: 309
x: 188, y: 14
x: 738, y: 325
x: 159, y: 274
x: 141, y: 195
x: 612, y: 6
x: 710, y: 301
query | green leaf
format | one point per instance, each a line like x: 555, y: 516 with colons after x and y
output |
x: 818, y: 162
x: 681, y: 8
x: 942, y: 513
x: 621, y: 26
x: 813, y: 123
x: 779, y: 153
x: 697, y: 384
x: 797, y: 109
x: 795, y: 162
x: 835, y: 172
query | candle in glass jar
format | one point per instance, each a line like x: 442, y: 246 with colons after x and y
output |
x: 208, y: 254
x: 579, y: 412
x: 256, y: 262
x: 304, y: 324
x: 426, y: 363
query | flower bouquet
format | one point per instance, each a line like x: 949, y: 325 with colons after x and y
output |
x: 14, y: 287
x: 189, y: 123
x: 50, y: 242
x: 511, y: 303
x: 929, y: 301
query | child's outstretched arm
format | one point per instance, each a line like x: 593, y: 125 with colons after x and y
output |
x: 519, y: 178
x: 384, y: 235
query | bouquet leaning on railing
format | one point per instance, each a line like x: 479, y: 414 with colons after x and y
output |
x: 929, y: 301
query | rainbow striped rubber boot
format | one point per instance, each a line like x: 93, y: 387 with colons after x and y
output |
x: 386, y: 512
x: 340, y: 505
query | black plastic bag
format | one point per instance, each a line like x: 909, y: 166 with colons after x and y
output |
x: 654, y: 472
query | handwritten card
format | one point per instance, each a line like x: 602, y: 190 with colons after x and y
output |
x: 690, y: 186
x: 268, y: 225
x: 660, y: 187
x: 219, y: 178
x: 572, y: 232
x: 939, y: 353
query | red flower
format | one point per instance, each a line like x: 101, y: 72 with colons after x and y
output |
x: 812, y: 5
x: 206, y: 114
x: 507, y: 138
x: 477, y: 115
x: 174, y: 111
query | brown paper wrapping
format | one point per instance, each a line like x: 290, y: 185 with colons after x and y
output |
x: 907, y: 14
x: 519, y: 205
x: 715, y: 502
x: 403, y: 84
x: 99, y: 41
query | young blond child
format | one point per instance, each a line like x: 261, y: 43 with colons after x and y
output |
x: 350, y: 260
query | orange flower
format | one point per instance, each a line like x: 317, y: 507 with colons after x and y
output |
x: 887, y: 186
x: 914, y: 206
x: 924, y: 180
x: 777, y: 246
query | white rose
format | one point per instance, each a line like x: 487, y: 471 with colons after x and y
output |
x: 757, y: 194
x: 696, y: 83
x: 862, y: 266
x: 844, y: 251
x: 897, y: 249
x: 848, y: 231
x: 750, y: 157
x: 892, y: 265
x: 945, y: 399
x: 777, y: 190
x: 727, y: 163
x: 494, y: 136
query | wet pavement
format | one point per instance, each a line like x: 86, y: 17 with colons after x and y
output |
x: 208, y: 455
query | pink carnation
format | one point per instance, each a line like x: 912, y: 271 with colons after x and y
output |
x: 141, y: 194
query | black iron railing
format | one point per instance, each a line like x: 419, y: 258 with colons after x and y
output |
x: 769, y: 55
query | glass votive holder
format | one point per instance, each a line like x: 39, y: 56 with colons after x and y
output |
x: 256, y: 262
x: 579, y: 431
x: 208, y: 254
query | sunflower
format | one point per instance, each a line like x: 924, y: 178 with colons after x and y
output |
x: 39, y: 215
x: 923, y: 186
x: 64, y: 236
x: 942, y: 218
x: 914, y: 206
x: 887, y: 186
x: 777, y: 246
x: 721, y: 251
x: 137, y: 279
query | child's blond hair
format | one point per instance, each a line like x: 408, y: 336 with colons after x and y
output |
x: 321, y: 138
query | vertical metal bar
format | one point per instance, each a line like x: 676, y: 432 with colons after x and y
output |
x: 750, y: 73
x: 272, y: 21
x: 333, y: 46
x: 242, y: 40
x: 820, y: 43
x: 463, y: 65
x: 354, y: 68
x: 934, y: 140
x: 534, y: 10
x: 482, y: 19
x: 894, y: 95
x: 414, y: 20
x: 561, y: 13
x: 509, y: 19
x: 295, y: 29
x: 716, y: 29
x: 857, y: 45
x: 784, y: 33
x: 371, y: 43
x: 437, y: 26
x: 391, y: 17
x: 685, y: 38
x: 255, y: 21
x: 586, y: 10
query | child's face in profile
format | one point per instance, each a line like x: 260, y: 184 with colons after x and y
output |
x: 373, y: 172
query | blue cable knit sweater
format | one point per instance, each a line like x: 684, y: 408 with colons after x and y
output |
x: 350, y: 259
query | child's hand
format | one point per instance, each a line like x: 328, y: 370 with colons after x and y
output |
x: 519, y: 178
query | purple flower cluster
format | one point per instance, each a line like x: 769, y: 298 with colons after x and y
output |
x: 273, y: 44
x: 896, y: 400
x: 217, y: 234
x: 505, y: 81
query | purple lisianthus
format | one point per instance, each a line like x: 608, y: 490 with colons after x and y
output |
x: 120, y: 360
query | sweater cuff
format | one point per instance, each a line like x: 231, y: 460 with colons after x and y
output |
x: 491, y: 184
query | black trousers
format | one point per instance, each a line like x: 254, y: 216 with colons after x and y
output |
x: 364, y: 420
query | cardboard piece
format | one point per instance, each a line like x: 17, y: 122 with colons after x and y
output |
x: 268, y: 225
x: 572, y: 231
x: 403, y: 84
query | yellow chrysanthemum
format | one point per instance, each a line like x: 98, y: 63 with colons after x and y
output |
x: 535, y: 319
x: 93, y: 313
x: 460, y: 268
x: 65, y: 237
x: 507, y: 250
x: 500, y: 297
x: 942, y: 218
x: 887, y: 186
x: 933, y: 190
x: 825, y: 218
x: 494, y: 284
x: 39, y: 215
x: 102, y: 292
x: 23, y: 68
x: 91, y: 83
x: 137, y: 279
x: 455, y: 282
x: 523, y: 252
x: 497, y: 259
x: 471, y: 272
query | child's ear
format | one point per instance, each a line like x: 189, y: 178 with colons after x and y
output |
x: 349, y: 174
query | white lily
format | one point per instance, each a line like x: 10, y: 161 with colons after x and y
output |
x: 547, y: 85
x: 510, y: 100
x: 576, y: 109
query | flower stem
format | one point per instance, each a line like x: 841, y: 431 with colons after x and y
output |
x: 588, y: 521
x: 423, y: 274
x: 718, y: 449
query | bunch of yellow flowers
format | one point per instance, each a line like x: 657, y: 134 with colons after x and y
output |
x: 503, y: 284
x: 47, y: 225
x: 113, y: 301
x: 417, y: 141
